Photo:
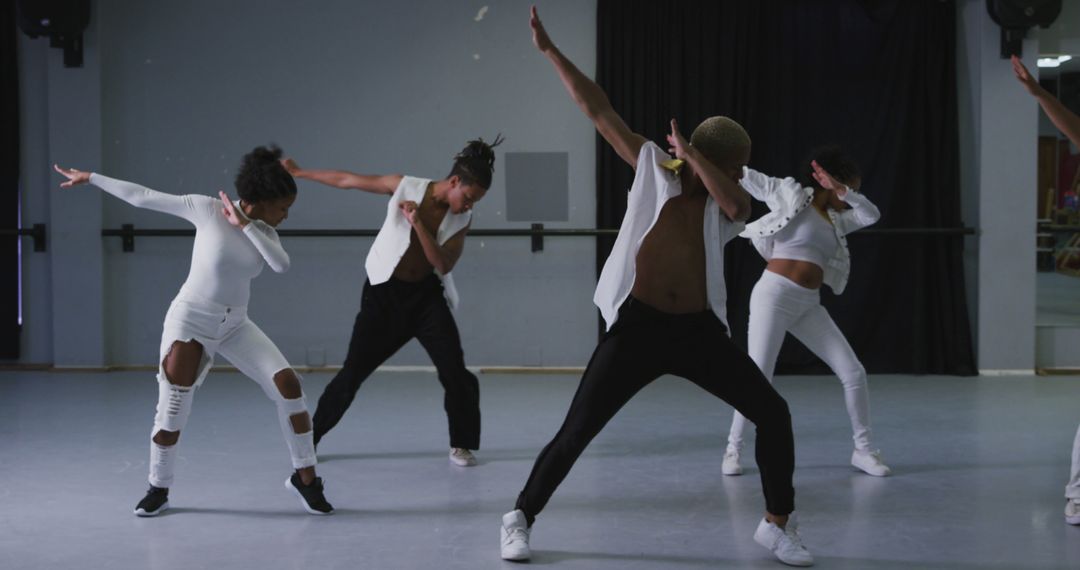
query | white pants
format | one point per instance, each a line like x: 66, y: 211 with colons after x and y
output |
x: 228, y: 331
x: 1072, y: 490
x: 778, y: 306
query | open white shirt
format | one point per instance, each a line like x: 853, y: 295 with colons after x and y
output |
x: 653, y: 186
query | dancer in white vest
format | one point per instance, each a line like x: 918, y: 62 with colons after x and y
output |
x: 1069, y: 123
x: 803, y: 240
x: 409, y: 292
x: 233, y: 241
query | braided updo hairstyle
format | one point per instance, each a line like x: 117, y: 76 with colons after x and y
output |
x: 476, y: 162
x: 262, y: 177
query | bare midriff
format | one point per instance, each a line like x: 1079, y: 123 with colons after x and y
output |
x: 670, y: 274
x: 805, y: 273
x: 414, y: 265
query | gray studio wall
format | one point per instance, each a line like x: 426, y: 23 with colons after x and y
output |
x: 998, y: 132
x: 174, y: 93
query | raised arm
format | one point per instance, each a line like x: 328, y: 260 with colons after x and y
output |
x: 763, y: 187
x: 384, y: 184
x: 589, y: 97
x: 1064, y: 119
x: 732, y: 199
x: 863, y: 212
x: 134, y: 194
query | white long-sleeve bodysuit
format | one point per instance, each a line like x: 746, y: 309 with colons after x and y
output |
x: 211, y: 309
x: 224, y: 259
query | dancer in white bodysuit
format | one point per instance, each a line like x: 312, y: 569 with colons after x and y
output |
x: 233, y: 240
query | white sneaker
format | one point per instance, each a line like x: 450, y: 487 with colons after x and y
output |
x: 462, y: 457
x: 784, y: 543
x: 514, y: 536
x: 870, y: 462
x: 1072, y: 511
x: 731, y: 462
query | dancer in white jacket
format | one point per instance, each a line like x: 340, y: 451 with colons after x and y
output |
x: 803, y: 240
x: 233, y: 240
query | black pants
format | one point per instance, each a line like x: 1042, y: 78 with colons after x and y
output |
x: 391, y: 314
x: 643, y: 345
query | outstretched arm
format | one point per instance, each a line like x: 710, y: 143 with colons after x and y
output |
x: 589, y: 97
x: 1064, y: 119
x: 441, y: 257
x: 344, y: 179
x: 732, y: 199
x: 134, y: 194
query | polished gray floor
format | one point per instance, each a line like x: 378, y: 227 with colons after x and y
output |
x: 980, y: 466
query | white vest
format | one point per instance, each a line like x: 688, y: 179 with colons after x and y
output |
x: 653, y: 186
x: 393, y: 238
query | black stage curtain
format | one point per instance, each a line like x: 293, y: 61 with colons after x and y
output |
x: 9, y: 185
x: 875, y: 76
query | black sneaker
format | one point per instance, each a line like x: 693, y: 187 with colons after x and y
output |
x: 154, y: 503
x: 310, y: 495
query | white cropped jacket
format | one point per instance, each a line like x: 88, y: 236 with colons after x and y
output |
x: 785, y: 198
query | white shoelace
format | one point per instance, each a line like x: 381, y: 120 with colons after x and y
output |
x: 794, y: 537
x: 517, y: 534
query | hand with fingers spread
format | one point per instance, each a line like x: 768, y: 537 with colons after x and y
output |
x: 588, y: 96
x: 540, y: 36
x: 827, y: 181
x: 1062, y: 117
x: 409, y: 209
x: 74, y: 177
x: 234, y: 215
x: 1024, y: 76
x: 679, y: 147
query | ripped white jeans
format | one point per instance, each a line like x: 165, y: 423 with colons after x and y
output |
x: 779, y: 306
x: 227, y: 331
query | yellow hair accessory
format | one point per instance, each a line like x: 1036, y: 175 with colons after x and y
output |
x: 675, y: 165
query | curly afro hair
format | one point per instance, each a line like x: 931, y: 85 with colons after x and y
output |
x: 262, y: 177
x: 839, y: 164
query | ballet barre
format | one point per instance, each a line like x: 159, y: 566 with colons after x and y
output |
x: 36, y: 232
x: 537, y: 232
